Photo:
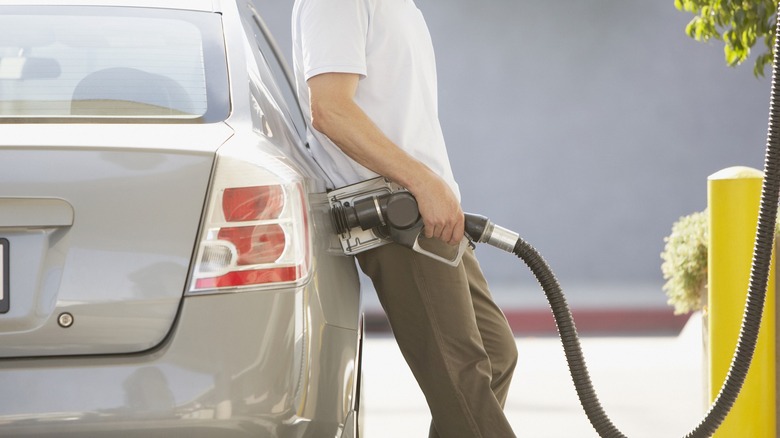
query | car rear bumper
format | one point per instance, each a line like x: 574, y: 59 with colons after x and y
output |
x: 261, y: 364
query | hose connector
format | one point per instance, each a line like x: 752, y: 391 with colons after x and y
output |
x: 481, y: 230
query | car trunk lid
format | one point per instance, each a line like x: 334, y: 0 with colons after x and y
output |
x: 98, y: 225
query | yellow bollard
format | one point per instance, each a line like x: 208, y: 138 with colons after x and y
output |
x: 734, y: 198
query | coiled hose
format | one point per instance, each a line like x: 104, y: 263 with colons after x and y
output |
x: 481, y: 230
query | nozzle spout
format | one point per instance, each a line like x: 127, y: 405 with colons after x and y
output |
x: 476, y: 225
x: 481, y: 230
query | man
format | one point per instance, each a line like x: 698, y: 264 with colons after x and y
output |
x: 366, y: 70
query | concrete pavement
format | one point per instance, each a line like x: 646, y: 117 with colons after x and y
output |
x: 650, y: 386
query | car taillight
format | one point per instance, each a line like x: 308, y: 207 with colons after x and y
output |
x: 252, y: 203
x: 256, y: 226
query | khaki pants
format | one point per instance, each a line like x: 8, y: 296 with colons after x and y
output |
x: 455, y: 339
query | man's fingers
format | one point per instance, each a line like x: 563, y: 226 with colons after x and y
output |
x: 428, y: 230
x: 455, y: 234
x: 432, y: 230
x: 448, y: 233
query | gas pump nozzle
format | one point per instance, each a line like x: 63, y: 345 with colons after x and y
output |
x: 376, y: 212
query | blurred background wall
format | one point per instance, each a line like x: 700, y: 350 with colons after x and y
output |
x: 588, y: 127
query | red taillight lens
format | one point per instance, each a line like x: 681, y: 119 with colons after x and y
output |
x: 241, y: 204
x: 254, y: 276
x: 255, y: 245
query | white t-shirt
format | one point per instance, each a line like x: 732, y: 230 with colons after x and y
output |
x: 388, y: 44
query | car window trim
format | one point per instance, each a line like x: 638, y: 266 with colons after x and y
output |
x: 277, y: 52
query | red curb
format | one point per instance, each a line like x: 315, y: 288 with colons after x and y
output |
x: 618, y: 322
x: 589, y: 322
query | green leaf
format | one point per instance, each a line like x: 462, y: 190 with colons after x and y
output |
x: 732, y: 58
x: 739, y: 17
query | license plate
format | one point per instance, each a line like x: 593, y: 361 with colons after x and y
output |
x: 4, y: 294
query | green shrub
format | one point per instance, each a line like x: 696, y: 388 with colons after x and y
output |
x: 684, y: 264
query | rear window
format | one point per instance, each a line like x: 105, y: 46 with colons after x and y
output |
x: 121, y: 64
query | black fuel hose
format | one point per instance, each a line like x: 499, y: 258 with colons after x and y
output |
x: 480, y: 229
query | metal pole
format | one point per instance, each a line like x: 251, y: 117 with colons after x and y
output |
x: 734, y: 195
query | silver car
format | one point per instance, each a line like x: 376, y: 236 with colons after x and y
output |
x: 167, y: 262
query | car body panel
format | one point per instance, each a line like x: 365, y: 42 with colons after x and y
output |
x: 109, y: 218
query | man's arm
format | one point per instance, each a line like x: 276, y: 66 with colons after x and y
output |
x: 335, y: 114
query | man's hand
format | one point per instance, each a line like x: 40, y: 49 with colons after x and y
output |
x: 440, y: 210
